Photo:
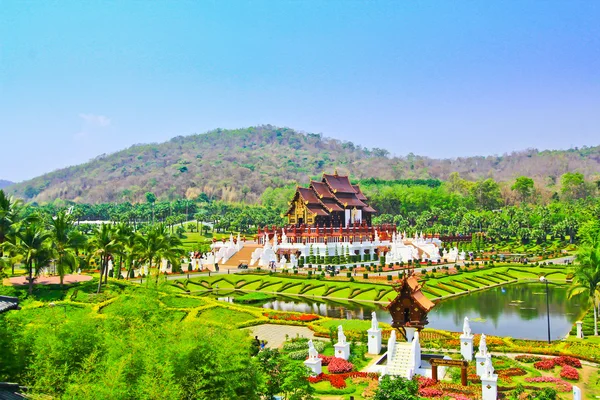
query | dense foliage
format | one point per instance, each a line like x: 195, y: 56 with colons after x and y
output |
x: 69, y: 351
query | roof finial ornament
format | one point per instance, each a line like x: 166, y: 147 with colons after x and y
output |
x: 335, y: 173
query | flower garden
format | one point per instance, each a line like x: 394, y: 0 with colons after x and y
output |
x: 541, y: 365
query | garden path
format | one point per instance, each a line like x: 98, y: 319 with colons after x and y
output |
x: 275, y: 334
x: 48, y: 280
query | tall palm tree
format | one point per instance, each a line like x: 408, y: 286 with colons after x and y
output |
x: 9, y: 217
x: 66, y: 241
x: 103, y: 243
x: 33, y: 245
x: 126, y: 242
x: 158, y: 244
x: 586, y: 276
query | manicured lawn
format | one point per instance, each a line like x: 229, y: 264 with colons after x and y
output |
x: 441, y: 284
x: 223, y: 283
x: 182, y: 301
x: 349, y: 324
x: 251, y: 284
x: 254, y: 297
x: 225, y: 316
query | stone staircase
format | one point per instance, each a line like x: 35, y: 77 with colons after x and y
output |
x: 402, y: 360
x: 244, y: 254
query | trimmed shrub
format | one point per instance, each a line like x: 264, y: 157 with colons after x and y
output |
x: 569, y: 373
x: 339, y: 366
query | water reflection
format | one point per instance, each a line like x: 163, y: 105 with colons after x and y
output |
x: 517, y: 310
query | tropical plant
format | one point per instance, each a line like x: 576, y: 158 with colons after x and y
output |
x: 156, y: 245
x: 397, y: 389
x: 10, y: 216
x: 103, y: 244
x: 586, y: 275
x: 32, y: 244
x: 66, y: 241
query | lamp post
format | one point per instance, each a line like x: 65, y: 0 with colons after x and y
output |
x: 544, y: 280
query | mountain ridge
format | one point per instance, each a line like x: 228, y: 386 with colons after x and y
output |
x: 4, y: 183
x: 239, y: 164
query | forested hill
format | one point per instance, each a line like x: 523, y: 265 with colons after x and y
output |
x: 238, y: 165
x: 4, y: 183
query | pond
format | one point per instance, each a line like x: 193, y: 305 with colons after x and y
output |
x: 517, y: 310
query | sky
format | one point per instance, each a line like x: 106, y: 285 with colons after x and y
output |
x: 436, y: 78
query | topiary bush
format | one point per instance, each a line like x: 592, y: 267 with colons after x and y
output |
x: 339, y: 366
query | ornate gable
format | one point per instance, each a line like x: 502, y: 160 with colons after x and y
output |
x: 410, y: 307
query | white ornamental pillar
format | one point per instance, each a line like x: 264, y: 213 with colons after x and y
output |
x: 489, y: 381
x: 579, y: 329
x: 416, y: 350
x: 313, y: 362
x: 374, y: 336
x: 466, y: 341
x: 391, y: 348
x: 314, y: 365
x: 576, y: 393
x: 481, y: 356
x: 342, y: 348
x: 489, y: 387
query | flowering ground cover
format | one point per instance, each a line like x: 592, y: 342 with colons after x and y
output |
x: 291, y: 316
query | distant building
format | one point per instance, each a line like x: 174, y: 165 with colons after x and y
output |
x: 332, y: 202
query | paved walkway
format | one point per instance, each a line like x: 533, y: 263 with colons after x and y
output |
x: 275, y: 334
x: 48, y: 280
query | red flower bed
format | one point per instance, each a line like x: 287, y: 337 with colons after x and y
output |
x: 545, y: 365
x: 430, y: 392
x: 561, y: 385
x: 339, y: 366
x: 549, y: 363
x: 569, y: 373
x: 325, y: 360
x: 292, y: 317
x: 425, y: 382
x: 567, y: 360
x: 339, y: 381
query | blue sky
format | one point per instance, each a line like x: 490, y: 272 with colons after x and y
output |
x: 436, y: 78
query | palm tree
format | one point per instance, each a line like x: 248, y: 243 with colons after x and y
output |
x: 200, y: 216
x: 586, y: 276
x: 126, y: 240
x: 103, y: 244
x: 9, y: 217
x: 66, y: 241
x: 158, y: 244
x: 32, y: 244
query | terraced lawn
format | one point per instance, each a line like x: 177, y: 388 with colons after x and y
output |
x: 182, y: 301
x: 440, y: 285
x: 225, y: 315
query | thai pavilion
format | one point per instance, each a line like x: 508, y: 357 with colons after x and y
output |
x: 332, y: 203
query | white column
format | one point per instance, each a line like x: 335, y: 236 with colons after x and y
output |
x: 579, y: 329
x: 416, y: 350
x: 466, y: 346
x: 314, y: 364
x: 342, y: 350
x: 489, y: 387
x: 374, y: 341
x: 410, y: 334
x: 576, y: 393
x: 480, y: 364
x: 391, y: 347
